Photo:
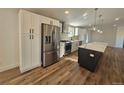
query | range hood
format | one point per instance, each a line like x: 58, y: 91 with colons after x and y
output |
x: 64, y: 27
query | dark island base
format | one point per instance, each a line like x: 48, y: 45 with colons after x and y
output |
x: 88, y: 59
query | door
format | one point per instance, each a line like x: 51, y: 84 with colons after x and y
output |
x: 120, y: 37
x: 26, y: 49
x: 36, y: 51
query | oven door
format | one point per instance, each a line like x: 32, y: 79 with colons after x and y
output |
x: 67, y: 47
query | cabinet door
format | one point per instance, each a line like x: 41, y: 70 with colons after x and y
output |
x: 72, y: 47
x: 44, y: 19
x: 25, y: 62
x: 36, y: 51
x: 25, y: 21
x: 35, y: 24
x: 62, y: 49
x: 56, y: 23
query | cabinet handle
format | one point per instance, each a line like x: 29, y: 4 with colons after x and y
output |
x: 32, y: 36
x: 92, y: 55
x: 30, y: 33
x: 32, y: 30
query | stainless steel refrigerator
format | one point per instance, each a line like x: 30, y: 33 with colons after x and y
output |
x: 50, y: 44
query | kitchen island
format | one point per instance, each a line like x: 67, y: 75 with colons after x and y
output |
x: 90, y: 54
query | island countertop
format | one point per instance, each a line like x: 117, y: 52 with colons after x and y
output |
x: 97, y: 46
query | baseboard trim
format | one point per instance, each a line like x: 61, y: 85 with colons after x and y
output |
x: 8, y: 67
x: 30, y: 68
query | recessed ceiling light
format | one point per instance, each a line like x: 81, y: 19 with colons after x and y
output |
x: 116, y: 19
x: 85, y: 14
x: 66, y: 12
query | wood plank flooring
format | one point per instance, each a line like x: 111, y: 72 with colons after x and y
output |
x: 68, y: 72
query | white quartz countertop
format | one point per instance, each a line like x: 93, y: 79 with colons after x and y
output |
x: 97, y: 46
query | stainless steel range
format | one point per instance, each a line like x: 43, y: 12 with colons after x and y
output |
x: 50, y: 38
x: 68, y: 46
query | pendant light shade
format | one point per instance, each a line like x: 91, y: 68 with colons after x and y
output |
x: 97, y: 26
x: 94, y: 28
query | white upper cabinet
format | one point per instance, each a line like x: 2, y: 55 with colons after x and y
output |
x: 44, y: 19
x: 29, y: 21
x: 25, y: 21
x: 54, y: 22
x: 50, y: 21
x: 35, y: 23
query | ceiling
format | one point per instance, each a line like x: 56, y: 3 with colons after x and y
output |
x: 76, y: 18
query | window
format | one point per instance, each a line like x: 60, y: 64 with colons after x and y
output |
x: 76, y: 31
x: 72, y: 31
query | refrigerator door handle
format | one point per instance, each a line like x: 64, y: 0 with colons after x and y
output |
x: 53, y: 39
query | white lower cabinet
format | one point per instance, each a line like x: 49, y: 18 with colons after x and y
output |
x: 25, y: 52
x: 29, y: 52
x: 62, y: 49
x: 75, y: 45
x: 36, y: 51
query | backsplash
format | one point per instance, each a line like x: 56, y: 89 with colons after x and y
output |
x: 64, y: 36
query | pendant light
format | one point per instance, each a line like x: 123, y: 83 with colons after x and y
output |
x: 99, y: 24
x: 95, y: 23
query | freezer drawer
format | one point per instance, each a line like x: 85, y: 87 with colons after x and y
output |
x: 88, y: 58
x: 50, y: 58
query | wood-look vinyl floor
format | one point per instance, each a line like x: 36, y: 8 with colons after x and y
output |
x: 67, y: 72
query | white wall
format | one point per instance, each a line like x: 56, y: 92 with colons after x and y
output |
x: 8, y: 39
x: 108, y: 36
x: 84, y: 35
x: 120, y: 37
